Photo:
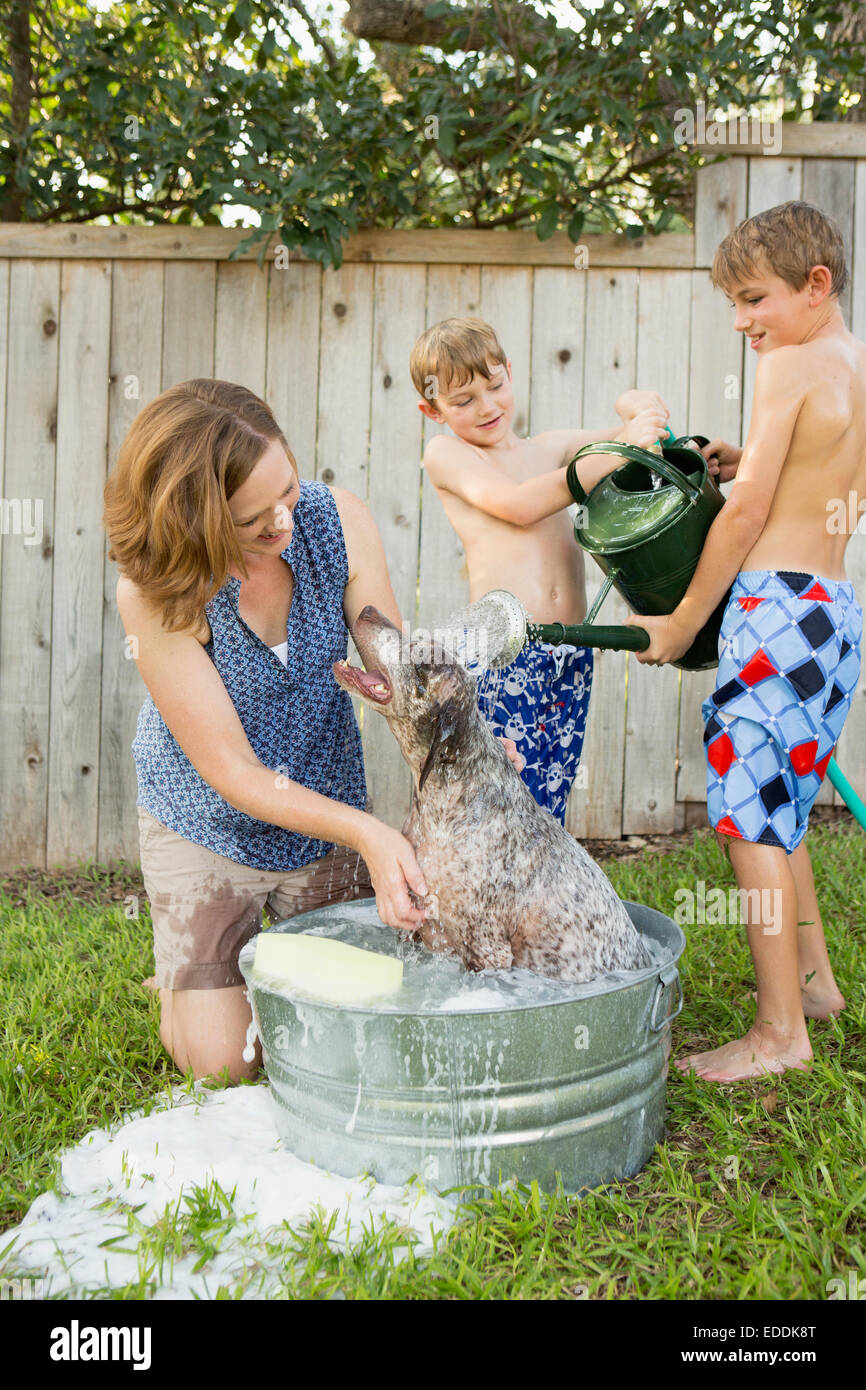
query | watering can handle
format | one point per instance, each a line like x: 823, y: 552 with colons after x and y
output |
x: 650, y: 461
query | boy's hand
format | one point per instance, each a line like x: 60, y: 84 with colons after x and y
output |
x: 647, y: 427
x: 516, y: 759
x: 669, y: 639
x: 722, y: 459
x: 632, y: 403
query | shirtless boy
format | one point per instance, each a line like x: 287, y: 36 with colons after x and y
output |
x: 791, y: 634
x: 505, y: 497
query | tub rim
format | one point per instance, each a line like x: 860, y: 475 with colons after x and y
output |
x: 639, y: 977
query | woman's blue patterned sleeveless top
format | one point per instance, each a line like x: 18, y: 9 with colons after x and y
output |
x: 297, y: 719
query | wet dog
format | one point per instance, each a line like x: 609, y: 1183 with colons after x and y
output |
x: 507, y: 885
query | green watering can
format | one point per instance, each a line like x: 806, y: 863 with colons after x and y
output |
x: 645, y: 525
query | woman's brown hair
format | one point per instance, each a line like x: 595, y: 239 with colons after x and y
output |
x: 166, y: 502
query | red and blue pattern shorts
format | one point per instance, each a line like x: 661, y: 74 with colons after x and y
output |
x: 788, y: 668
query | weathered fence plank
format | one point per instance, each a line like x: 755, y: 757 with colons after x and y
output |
x: 79, y: 560
x: 189, y: 295
x: 25, y: 629
x: 452, y: 291
x: 609, y: 368
x: 649, y: 794
x: 136, y: 352
x: 556, y: 384
x: 395, y: 491
x: 294, y: 304
x: 241, y: 325
x: 715, y: 408
x: 344, y: 391
x: 385, y: 246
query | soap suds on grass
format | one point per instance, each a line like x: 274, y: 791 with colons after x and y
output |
x: 156, y: 1161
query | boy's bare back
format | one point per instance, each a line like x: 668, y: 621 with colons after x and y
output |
x: 814, y: 395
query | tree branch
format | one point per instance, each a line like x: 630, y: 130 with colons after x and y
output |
x: 21, y: 100
x: 404, y: 21
x: 323, y: 43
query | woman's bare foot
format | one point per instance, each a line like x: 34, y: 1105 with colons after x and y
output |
x: 756, y: 1054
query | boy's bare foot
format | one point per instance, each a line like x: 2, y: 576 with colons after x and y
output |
x: 822, y: 1003
x: 819, y: 1001
x: 753, y: 1055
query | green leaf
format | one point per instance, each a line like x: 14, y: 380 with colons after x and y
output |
x: 548, y: 222
x: 575, y: 226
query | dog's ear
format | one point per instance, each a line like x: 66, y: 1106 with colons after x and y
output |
x: 447, y: 720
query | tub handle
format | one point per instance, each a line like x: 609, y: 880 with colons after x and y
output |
x: 670, y: 975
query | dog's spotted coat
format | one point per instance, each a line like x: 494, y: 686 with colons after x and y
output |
x: 507, y: 885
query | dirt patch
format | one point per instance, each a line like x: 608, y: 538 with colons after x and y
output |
x: 98, y: 885
x: 634, y: 845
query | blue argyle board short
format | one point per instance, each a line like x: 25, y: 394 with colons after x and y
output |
x: 541, y: 701
x: 788, y: 668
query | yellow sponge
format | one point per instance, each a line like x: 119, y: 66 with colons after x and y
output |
x: 330, y: 969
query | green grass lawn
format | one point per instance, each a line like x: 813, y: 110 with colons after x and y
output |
x: 757, y: 1192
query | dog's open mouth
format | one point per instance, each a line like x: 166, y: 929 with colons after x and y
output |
x: 373, y: 685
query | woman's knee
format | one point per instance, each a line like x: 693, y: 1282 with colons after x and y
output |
x: 207, y: 1031
x: 226, y: 1067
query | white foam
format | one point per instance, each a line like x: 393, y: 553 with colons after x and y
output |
x: 435, y: 983
x: 464, y: 1003
x: 154, y: 1161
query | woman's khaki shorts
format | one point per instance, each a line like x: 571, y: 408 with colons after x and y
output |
x: 205, y: 907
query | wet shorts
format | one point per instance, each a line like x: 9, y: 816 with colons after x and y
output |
x: 789, y: 664
x: 541, y: 701
x: 205, y: 907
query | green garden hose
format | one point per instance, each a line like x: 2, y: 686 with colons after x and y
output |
x: 847, y: 792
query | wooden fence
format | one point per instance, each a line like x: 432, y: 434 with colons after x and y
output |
x: 95, y: 321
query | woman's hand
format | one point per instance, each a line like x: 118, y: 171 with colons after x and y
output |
x: 722, y: 459
x: 395, y: 874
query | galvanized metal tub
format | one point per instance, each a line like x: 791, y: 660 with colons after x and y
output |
x: 464, y: 1097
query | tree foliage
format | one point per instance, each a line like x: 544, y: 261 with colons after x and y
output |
x: 157, y: 111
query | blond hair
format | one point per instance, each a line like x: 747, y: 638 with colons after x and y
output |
x: 166, y: 502
x: 451, y: 353
x: 790, y: 239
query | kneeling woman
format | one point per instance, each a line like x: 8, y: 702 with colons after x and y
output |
x: 237, y: 583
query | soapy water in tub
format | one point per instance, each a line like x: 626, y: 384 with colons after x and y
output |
x: 439, y: 983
